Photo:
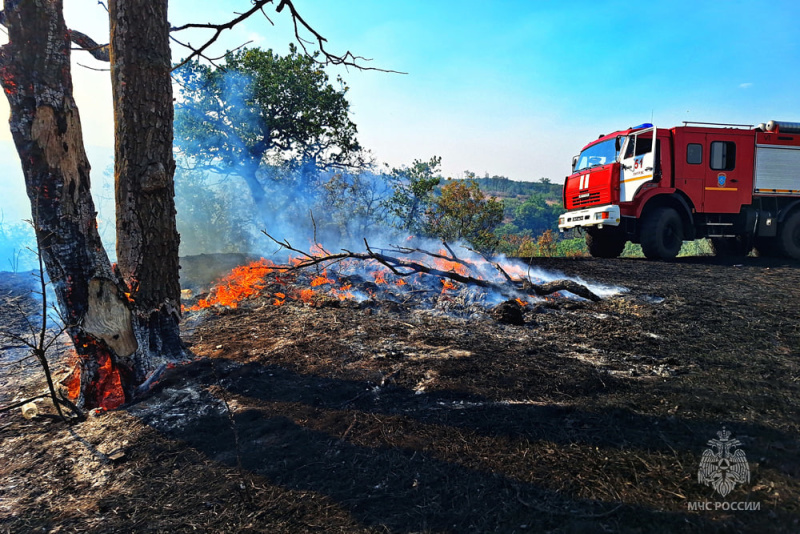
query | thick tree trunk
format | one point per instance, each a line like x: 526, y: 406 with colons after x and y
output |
x: 35, y: 74
x: 147, y: 236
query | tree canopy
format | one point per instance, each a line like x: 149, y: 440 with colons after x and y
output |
x: 260, y: 107
x: 413, y: 193
x: 463, y: 213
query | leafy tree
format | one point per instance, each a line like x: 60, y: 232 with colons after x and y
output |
x: 356, y: 203
x: 262, y: 108
x: 463, y: 213
x: 536, y: 215
x: 413, y: 193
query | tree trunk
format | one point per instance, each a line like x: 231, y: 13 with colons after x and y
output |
x: 35, y: 74
x: 147, y: 236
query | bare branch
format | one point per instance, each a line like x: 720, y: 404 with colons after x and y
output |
x: 211, y: 60
x: 20, y: 403
x: 218, y: 29
x: 98, y: 51
x: 403, y: 267
x: 348, y: 59
x: 92, y: 68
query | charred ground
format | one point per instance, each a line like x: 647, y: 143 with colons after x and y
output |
x: 384, y: 416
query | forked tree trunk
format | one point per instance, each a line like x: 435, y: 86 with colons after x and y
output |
x: 123, y: 322
x: 35, y: 74
x: 147, y: 236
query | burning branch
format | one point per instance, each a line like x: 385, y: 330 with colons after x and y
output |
x: 404, y: 267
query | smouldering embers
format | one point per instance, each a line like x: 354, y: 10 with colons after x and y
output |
x: 359, y: 280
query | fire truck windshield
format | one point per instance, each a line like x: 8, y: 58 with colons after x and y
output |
x: 599, y: 154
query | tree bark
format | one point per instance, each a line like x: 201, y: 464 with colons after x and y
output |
x: 45, y: 124
x: 147, y: 236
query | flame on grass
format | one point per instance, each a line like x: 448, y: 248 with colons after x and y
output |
x: 448, y: 285
x: 250, y: 281
x: 243, y: 282
x: 322, y: 280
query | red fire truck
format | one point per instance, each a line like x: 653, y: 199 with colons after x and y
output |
x: 736, y: 184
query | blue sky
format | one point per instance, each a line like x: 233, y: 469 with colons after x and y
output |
x: 511, y: 88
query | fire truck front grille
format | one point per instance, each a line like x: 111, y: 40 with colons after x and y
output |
x: 585, y: 199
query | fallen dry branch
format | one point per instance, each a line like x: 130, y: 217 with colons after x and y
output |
x: 403, y: 267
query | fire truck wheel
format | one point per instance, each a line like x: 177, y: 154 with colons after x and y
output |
x: 789, y: 239
x: 605, y: 243
x: 662, y: 234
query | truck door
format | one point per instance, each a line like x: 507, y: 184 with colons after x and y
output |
x: 638, y: 164
x: 728, y: 180
x: 691, y: 161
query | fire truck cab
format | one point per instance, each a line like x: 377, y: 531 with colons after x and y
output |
x: 738, y: 185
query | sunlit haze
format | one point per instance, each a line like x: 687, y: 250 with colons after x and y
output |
x: 511, y: 88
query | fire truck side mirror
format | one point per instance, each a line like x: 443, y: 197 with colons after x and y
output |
x: 617, y: 144
x: 574, y: 162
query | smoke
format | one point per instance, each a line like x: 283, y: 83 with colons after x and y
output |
x: 230, y: 190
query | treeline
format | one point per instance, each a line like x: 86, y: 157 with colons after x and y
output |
x: 502, y: 187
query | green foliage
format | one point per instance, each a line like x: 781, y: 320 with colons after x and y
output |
x: 536, y: 215
x: 632, y: 250
x: 261, y: 107
x: 699, y: 247
x: 412, y: 195
x: 572, y: 247
x: 463, y: 213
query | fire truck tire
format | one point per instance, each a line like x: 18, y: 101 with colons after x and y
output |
x: 605, y: 243
x: 662, y: 234
x: 789, y: 239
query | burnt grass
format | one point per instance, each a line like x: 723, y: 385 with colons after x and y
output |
x: 386, y: 417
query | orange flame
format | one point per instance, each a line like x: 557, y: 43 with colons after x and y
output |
x: 321, y: 280
x: 450, y: 266
x: 379, y: 276
x: 243, y: 282
x: 109, y: 385
x: 521, y: 302
x: 343, y: 293
x: 73, y: 381
x: 448, y: 285
x: 106, y: 390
